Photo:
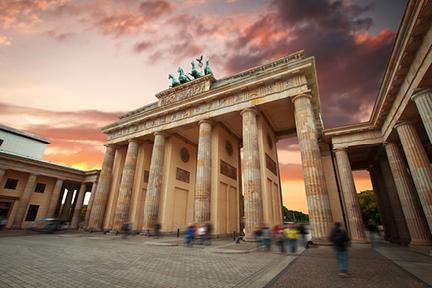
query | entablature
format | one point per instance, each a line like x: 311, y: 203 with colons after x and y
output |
x: 278, y: 82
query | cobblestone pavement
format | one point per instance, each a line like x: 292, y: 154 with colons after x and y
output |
x: 84, y: 260
x: 317, y: 268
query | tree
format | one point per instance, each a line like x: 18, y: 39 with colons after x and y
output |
x: 294, y: 216
x: 368, y: 207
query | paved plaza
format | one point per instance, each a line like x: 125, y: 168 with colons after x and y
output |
x: 96, y: 260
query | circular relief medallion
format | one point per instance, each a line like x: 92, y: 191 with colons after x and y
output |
x: 269, y: 141
x: 184, y: 154
x: 229, y: 148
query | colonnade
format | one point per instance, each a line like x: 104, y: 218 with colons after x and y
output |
x: 413, y: 182
x: 68, y: 212
x: 318, y: 202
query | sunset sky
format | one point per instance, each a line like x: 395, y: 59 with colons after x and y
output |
x: 68, y: 68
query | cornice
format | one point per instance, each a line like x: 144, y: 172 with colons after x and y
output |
x: 407, y: 42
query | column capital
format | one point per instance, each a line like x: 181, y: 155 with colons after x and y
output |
x: 420, y: 92
x: 403, y: 123
x: 307, y: 95
x: 133, y: 140
x: 208, y: 121
x: 251, y: 109
x: 161, y: 133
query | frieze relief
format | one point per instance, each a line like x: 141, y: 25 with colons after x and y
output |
x: 228, y: 170
x: 182, y: 175
x: 183, y: 94
x: 295, y: 84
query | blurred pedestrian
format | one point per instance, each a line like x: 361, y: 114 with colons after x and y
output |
x: 266, y: 238
x: 291, y: 234
x: 340, y: 239
x: 303, y: 234
x: 189, y: 235
x: 279, y: 238
x: 3, y: 222
x: 258, y: 237
x: 201, y: 234
x: 126, y: 229
x: 157, y: 229
x: 208, y: 235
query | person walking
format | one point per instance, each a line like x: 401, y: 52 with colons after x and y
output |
x: 340, y: 239
x: 291, y: 234
x: 157, y: 229
x: 279, y: 238
x: 189, y: 235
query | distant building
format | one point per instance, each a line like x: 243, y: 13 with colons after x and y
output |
x: 18, y: 142
x: 31, y: 188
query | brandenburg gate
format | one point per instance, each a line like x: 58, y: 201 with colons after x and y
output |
x: 206, y: 152
x: 178, y: 160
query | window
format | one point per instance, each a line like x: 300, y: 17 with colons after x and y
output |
x: 40, y: 187
x: 32, y: 212
x: 11, y: 183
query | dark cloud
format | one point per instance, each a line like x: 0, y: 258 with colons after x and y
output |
x: 350, y: 62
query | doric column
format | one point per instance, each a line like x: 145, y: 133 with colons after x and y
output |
x: 55, y: 198
x: 316, y: 190
x: 253, y: 206
x: 423, y: 100
x: 102, y: 191
x: 151, y: 204
x: 78, y: 206
x: 123, y: 201
x: 411, y: 207
x: 65, y: 214
x: 203, y: 174
x: 418, y: 162
x: 384, y: 206
x: 90, y: 204
x: 24, y: 201
x: 351, y: 204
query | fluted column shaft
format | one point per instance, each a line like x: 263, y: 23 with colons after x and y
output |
x: 418, y: 162
x: 90, y: 204
x: 24, y: 201
x: 65, y: 214
x: 203, y: 174
x: 253, y: 206
x: 351, y: 204
x: 151, y: 204
x: 411, y: 207
x: 125, y: 191
x: 78, y: 206
x: 102, y: 191
x: 423, y: 100
x: 55, y: 198
x: 315, y: 185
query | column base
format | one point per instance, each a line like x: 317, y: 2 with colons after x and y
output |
x: 321, y: 241
x: 360, y: 241
x: 417, y: 243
